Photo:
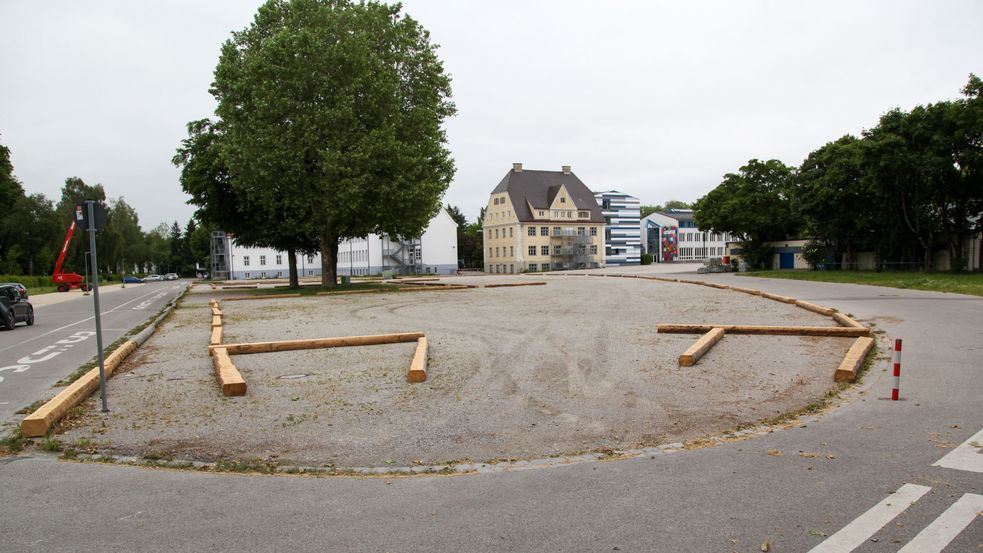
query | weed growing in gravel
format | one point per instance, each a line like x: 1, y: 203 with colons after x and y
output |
x: 51, y: 444
x: 13, y: 443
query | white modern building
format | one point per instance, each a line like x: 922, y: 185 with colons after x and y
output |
x: 673, y: 235
x: 622, y: 239
x: 434, y: 252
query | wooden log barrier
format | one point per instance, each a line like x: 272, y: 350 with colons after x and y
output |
x: 776, y: 297
x: 768, y: 330
x: 216, y: 321
x: 319, y: 343
x: 40, y: 421
x: 216, y: 338
x: 347, y: 292
x: 853, y: 360
x: 227, y: 374
x: 418, y: 367
x: 751, y: 291
x: 828, y: 311
x: 699, y: 349
x: 538, y: 283
x: 846, y: 320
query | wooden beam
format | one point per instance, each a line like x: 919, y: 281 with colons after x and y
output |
x: 768, y: 330
x: 715, y: 285
x: 853, y: 360
x: 751, y: 291
x: 434, y: 288
x: 418, y: 367
x: 227, y: 374
x: 319, y: 343
x: 845, y: 320
x: 703, y: 345
x: 538, y: 283
x: 216, y: 321
x: 346, y: 292
x: 776, y: 297
x: 240, y: 286
x: 40, y: 421
x: 216, y: 338
x: 828, y: 311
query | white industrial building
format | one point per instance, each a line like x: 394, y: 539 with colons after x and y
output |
x: 673, y: 235
x: 434, y: 252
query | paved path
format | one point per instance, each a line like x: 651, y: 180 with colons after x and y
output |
x: 846, y: 481
x: 32, y: 358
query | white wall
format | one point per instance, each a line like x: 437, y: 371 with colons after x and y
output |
x: 439, y: 242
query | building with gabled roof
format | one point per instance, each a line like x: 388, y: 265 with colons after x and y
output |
x: 542, y: 221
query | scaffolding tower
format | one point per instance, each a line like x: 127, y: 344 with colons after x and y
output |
x: 219, y: 268
x: 403, y: 256
x: 571, y: 249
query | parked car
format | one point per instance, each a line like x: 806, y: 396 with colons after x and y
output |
x: 14, y: 307
x: 152, y: 278
x: 171, y: 276
x: 132, y: 280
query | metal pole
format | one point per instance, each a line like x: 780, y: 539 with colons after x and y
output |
x: 122, y: 274
x: 95, y: 299
x: 85, y: 262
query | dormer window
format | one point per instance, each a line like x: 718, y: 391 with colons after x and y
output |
x: 563, y: 200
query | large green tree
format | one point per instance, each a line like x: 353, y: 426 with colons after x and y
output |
x: 830, y: 189
x: 331, y: 114
x: 753, y: 204
x: 74, y: 193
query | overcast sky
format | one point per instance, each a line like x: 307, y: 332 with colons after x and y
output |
x: 655, y: 99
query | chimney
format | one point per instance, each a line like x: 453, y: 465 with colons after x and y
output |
x: 517, y: 167
x: 566, y: 169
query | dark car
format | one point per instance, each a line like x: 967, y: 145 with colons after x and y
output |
x: 132, y: 280
x: 20, y: 288
x: 14, y: 307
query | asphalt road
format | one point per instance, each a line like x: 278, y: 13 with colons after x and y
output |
x: 32, y: 358
x: 859, y: 478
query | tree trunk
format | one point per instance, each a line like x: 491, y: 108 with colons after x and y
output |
x: 292, y: 266
x: 329, y: 260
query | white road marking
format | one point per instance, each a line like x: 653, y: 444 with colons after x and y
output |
x: 867, y: 524
x: 965, y: 457
x: 77, y: 322
x: 936, y: 536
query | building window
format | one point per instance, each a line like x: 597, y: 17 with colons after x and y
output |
x: 581, y: 231
x: 545, y: 250
x: 557, y: 250
x: 546, y: 266
x: 593, y: 249
x: 593, y: 231
x: 496, y: 233
x: 583, y: 214
x: 496, y: 252
x: 490, y: 252
x: 279, y: 273
x: 532, y: 251
x: 262, y: 261
x: 532, y: 231
x: 245, y: 261
x: 511, y: 269
x: 279, y: 259
x: 556, y: 231
x: 544, y: 231
x: 511, y: 251
x: 310, y: 259
x: 510, y: 232
x: 533, y: 267
x: 247, y: 275
x: 541, y: 213
x: 563, y: 199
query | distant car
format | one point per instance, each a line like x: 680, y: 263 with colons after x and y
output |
x: 132, y: 280
x: 171, y: 276
x: 14, y: 307
x: 152, y: 278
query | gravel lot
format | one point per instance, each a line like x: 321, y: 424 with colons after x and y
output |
x: 521, y: 372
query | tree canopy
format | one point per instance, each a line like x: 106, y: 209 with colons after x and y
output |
x: 330, y: 117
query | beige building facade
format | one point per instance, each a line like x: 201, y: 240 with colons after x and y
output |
x: 542, y: 221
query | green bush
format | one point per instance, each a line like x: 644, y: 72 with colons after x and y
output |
x: 29, y: 281
x: 646, y: 259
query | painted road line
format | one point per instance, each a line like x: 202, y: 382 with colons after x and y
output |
x: 968, y: 456
x: 867, y: 524
x: 104, y: 313
x: 936, y: 536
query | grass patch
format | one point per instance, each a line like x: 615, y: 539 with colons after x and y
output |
x: 961, y: 283
x: 13, y: 443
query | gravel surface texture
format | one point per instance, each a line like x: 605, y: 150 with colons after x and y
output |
x: 518, y: 372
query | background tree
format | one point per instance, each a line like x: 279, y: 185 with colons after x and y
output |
x: 753, y: 205
x: 74, y: 193
x: 332, y: 115
x: 830, y: 186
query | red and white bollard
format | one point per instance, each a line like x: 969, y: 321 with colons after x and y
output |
x: 896, y: 391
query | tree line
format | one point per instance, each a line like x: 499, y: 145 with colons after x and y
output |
x: 904, y: 190
x: 33, y: 230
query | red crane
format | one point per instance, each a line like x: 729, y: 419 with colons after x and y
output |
x: 67, y: 281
